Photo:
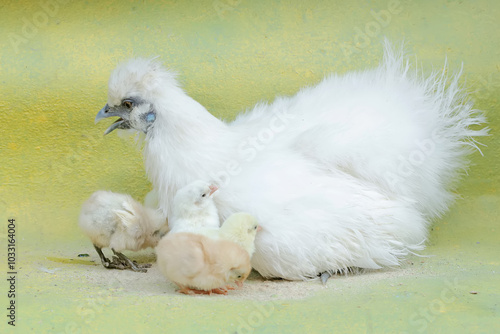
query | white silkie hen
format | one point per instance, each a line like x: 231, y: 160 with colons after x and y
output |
x: 347, y: 173
x: 194, y: 208
x: 119, y: 222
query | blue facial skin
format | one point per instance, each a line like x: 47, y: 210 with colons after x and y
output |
x: 150, y: 118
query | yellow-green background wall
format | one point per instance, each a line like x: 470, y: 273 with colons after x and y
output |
x: 56, y: 56
x: 55, y: 62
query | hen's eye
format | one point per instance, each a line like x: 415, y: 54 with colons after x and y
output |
x: 203, y: 195
x: 128, y: 104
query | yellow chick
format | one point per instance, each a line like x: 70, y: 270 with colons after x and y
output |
x: 240, y: 228
x: 201, y: 265
x: 121, y: 223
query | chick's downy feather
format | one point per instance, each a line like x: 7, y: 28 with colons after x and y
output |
x: 240, y: 227
x: 194, y: 208
x: 347, y: 173
x: 194, y: 261
x: 119, y: 222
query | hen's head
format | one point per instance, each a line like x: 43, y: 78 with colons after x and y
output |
x: 134, y: 90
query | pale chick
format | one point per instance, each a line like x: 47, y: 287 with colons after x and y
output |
x: 202, y: 265
x: 194, y: 208
x: 240, y: 228
x: 119, y: 222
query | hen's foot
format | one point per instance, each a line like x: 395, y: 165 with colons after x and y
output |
x: 324, y: 277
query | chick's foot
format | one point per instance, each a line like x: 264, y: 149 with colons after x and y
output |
x: 220, y: 291
x: 189, y: 291
x: 128, y: 264
x: 142, y: 265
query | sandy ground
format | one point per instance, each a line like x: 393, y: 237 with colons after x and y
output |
x: 152, y: 283
x: 60, y: 292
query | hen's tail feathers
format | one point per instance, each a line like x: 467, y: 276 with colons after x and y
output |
x: 457, y: 125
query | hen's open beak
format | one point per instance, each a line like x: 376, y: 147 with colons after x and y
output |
x: 120, y: 123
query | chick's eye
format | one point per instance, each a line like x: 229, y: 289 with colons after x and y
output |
x: 203, y: 195
x: 239, y: 276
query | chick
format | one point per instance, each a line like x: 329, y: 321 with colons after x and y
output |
x: 194, y: 208
x: 201, y: 265
x: 240, y: 228
x: 119, y: 222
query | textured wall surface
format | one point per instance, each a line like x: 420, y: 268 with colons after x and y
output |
x: 56, y: 59
x: 56, y: 56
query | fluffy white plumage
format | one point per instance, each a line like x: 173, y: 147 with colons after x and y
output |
x: 119, y: 222
x: 347, y: 173
x: 194, y: 208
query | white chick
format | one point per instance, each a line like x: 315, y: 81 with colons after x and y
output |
x: 240, y: 228
x: 119, y: 222
x: 194, y: 208
x: 202, y: 265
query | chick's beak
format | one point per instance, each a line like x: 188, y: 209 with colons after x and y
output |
x: 213, y: 189
x: 239, y: 284
x: 120, y: 123
x: 259, y: 228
